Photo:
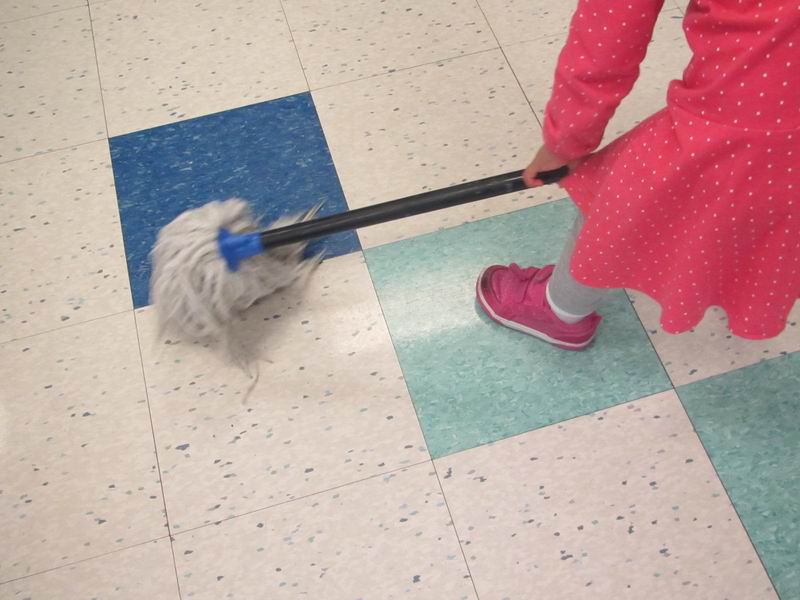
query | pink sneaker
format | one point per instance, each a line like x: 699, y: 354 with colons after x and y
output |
x: 516, y: 298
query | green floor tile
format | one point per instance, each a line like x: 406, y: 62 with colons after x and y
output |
x: 473, y: 382
x: 749, y: 421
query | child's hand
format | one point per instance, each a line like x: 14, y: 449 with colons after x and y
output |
x: 543, y: 161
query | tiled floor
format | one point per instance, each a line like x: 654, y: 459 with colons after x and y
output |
x: 395, y: 444
x: 623, y: 503
x: 162, y: 62
x: 429, y: 127
x: 472, y: 383
x: 273, y: 154
x: 49, y: 85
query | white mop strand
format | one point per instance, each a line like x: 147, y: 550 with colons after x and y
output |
x: 194, y: 293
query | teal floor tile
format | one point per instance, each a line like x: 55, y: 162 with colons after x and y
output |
x: 749, y: 421
x: 473, y: 382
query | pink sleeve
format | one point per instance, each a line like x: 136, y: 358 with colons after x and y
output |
x: 596, y: 69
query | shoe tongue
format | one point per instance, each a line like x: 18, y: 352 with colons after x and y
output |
x: 533, y: 292
x: 516, y: 286
x: 535, y: 287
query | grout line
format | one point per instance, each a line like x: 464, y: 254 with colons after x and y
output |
x: 702, y: 444
x: 120, y: 227
x: 63, y: 327
x: 676, y: 385
x: 339, y: 182
x: 155, y: 450
x: 508, y: 62
x: 434, y: 62
x: 455, y: 530
x: 294, y: 43
x: 419, y: 423
x: 44, y: 14
x: 51, y: 151
x: 650, y: 340
x: 675, y: 8
x: 402, y: 69
x: 727, y: 494
x: 328, y: 148
x: 562, y: 422
x: 299, y: 498
x: 549, y: 36
x: 180, y: 121
x: 97, y: 67
x: 173, y: 534
x: 721, y: 374
x: 309, y: 90
x: 83, y: 560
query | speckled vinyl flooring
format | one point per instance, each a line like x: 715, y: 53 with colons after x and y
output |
x: 395, y: 444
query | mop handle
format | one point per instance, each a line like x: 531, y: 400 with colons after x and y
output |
x: 417, y: 204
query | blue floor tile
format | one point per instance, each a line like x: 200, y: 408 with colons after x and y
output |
x: 272, y: 154
x: 749, y: 421
x: 474, y: 382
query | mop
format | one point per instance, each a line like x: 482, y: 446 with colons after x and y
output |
x: 213, y: 263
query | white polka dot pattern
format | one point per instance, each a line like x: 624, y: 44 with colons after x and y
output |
x: 698, y: 205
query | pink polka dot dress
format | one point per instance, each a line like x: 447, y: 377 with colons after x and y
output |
x: 699, y: 205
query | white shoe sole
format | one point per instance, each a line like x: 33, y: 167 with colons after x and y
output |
x: 521, y: 328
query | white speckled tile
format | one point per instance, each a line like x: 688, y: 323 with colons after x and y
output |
x: 710, y: 349
x: 76, y: 448
x: 145, y: 571
x: 426, y: 128
x: 49, y: 87
x: 171, y: 60
x: 344, y: 41
x: 623, y: 503
x: 534, y: 63
x: 60, y: 238
x: 520, y: 20
x: 12, y: 10
x: 387, y: 537
x: 331, y: 405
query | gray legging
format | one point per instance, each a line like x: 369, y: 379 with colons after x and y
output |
x: 566, y: 293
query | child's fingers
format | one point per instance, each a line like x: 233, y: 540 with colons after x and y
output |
x: 544, y: 160
x: 529, y: 177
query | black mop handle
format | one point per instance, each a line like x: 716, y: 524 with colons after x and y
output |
x: 404, y: 207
